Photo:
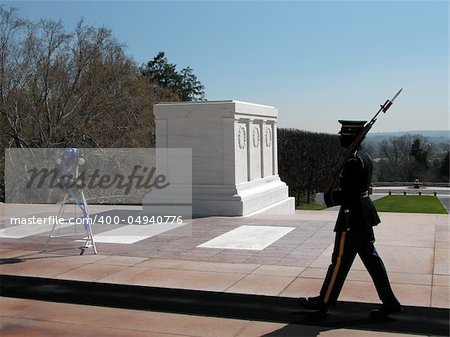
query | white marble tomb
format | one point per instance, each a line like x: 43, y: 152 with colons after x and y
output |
x: 234, y: 155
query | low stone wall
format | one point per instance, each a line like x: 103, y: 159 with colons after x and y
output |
x: 409, y: 190
x: 409, y: 184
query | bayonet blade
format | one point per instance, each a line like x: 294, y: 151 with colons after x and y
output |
x: 393, y: 98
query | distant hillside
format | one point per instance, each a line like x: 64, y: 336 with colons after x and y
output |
x: 434, y: 136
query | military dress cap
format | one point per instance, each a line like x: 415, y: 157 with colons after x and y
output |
x: 351, y: 128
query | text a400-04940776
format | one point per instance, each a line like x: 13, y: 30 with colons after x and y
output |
x: 138, y: 220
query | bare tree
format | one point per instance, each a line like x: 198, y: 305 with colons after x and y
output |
x: 78, y: 88
x: 402, y: 158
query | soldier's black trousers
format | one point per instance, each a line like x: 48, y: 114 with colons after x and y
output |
x: 347, y: 245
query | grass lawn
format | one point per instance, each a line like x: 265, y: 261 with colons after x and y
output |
x: 312, y: 206
x: 410, y: 204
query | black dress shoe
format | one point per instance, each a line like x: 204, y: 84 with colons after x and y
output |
x: 313, y: 303
x: 386, y: 310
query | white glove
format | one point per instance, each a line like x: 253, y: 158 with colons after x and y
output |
x: 320, y: 199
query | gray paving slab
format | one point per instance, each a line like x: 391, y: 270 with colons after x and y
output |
x: 445, y: 200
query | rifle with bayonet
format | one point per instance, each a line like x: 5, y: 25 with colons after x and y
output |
x: 356, y: 142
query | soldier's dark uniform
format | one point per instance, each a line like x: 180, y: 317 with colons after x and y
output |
x: 354, y: 233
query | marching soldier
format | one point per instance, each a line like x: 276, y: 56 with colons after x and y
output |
x: 354, y: 233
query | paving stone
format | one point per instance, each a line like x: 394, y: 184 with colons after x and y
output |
x: 417, y: 260
x: 261, y: 285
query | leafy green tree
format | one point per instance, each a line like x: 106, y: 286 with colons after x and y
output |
x: 419, y: 153
x: 184, y: 83
x: 306, y: 161
x: 444, y: 169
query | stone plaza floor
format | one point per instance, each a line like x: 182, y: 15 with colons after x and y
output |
x: 247, y: 262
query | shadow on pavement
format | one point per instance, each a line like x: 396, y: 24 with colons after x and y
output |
x: 348, y: 315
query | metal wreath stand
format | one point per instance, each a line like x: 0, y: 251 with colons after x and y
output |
x: 70, y: 162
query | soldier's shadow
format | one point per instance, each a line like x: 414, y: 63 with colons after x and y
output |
x: 311, y: 324
x: 304, y: 323
x: 297, y: 331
